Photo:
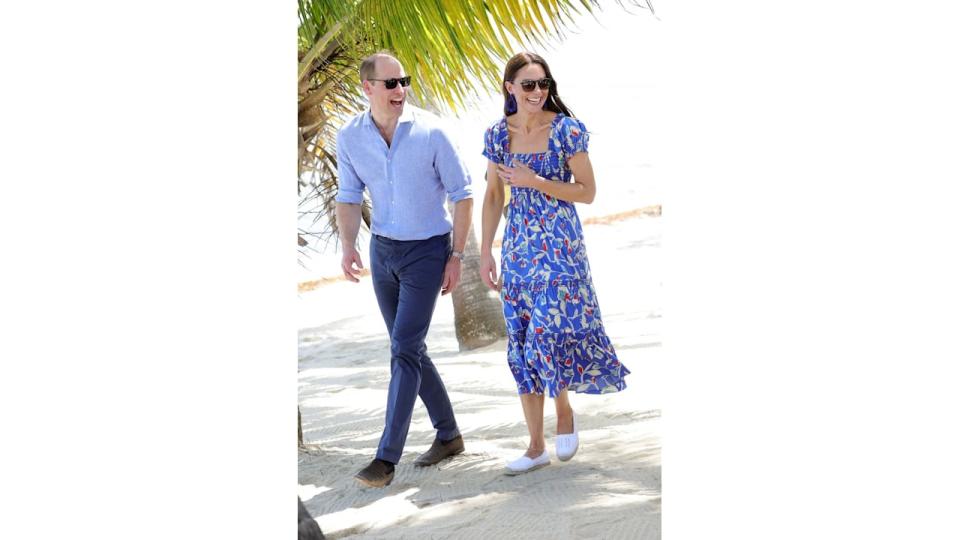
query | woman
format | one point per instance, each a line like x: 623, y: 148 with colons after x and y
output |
x: 556, y: 337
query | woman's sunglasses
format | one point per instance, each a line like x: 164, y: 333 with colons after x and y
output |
x: 529, y: 85
x: 392, y: 83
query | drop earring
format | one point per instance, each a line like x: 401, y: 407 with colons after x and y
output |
x: 510, y: 106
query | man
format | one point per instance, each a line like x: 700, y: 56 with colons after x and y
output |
x: 409, y: 166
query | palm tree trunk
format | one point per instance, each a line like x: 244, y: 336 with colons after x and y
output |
x: 477, y: 311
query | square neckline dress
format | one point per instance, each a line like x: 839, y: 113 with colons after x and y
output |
x: 555, y: 334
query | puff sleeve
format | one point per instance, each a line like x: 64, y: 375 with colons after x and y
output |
x: 492, y: 145
x: 574, y: 136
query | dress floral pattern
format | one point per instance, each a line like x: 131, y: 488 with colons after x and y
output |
x: 556, y: 338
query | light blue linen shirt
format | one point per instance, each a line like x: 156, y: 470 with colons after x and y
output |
x: 408, y: 180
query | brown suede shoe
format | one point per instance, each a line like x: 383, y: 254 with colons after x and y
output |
x: 375, y: 475
x: 439, y: 452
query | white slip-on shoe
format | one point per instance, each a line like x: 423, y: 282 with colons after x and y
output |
x: 568, y: 443
x: 524, y: 464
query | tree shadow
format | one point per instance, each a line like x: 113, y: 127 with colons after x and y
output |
x: 614, y: 475
x: 611, y: 488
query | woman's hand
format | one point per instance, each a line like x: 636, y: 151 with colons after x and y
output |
x: 488, y: 271
x: 519, y: 176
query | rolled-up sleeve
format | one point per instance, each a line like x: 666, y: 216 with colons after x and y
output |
x: 452, y: 170
x: 349, y: 185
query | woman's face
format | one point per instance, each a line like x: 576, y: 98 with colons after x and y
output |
x: 530, y: 101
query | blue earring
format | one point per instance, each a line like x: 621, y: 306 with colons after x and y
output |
x: 510, y: 106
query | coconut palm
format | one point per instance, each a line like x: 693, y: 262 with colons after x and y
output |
x: 477, y: 311
x: 453, y: 50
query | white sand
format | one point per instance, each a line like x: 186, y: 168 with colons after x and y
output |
x: 610, y: 489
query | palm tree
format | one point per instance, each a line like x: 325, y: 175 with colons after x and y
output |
x: 478, y: 314
x: 453, y: 49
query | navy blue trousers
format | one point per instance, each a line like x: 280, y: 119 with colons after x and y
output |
x: 406, y: 279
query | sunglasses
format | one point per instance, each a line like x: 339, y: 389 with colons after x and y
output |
x: 392, y: 83
x: 529, y: 85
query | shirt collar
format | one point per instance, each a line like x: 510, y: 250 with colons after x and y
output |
x: 408, y: 115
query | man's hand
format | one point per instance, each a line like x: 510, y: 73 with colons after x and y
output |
x: 488, y: 271
x: 451, y: 276
x: 350, y: 258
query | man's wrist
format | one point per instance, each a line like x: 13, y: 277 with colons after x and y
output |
x: 456, y: 254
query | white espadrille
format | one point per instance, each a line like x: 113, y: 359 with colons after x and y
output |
x: 568, y: 443
x: 524, y: 464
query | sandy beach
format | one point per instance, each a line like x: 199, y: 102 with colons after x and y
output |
x: 610, y: 489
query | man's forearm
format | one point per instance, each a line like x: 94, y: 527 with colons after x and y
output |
x: 462, y: 214
x: 348, y: 221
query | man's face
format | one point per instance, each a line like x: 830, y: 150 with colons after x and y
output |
x: 386, y: 101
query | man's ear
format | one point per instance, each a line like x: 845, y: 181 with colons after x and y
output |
x: 367, y: 87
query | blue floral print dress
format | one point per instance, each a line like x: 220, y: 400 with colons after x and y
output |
x: 556, y: 338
